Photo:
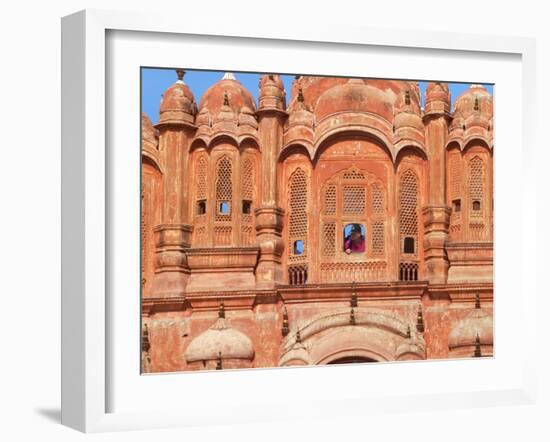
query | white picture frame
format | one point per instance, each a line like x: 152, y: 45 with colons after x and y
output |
x: 87, y: 214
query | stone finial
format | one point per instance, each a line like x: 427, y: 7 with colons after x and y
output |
x: 407, y: 98
x: 180, y: 73
x: 478, y: 302
x: 225, y: 99
x: 298, y: 337
x: 352, y: 320
x: 285, y: 330
x: 219, y: 361
x: 221, y: 310
x: 300, y: 96
x: 476, y: 103
x: 353, y: 302
x: 477, y: 351
x: 228, y: 76
x: 145, y: 343
x: 420, y: 320
x: 409, y: 332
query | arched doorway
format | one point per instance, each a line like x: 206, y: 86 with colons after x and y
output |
x: 351, y: 360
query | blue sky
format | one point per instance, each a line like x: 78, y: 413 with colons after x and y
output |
x: 154, y: 81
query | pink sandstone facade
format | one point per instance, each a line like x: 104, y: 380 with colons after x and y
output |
x: 244, y: 214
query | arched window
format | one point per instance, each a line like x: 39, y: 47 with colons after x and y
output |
x: 408, y: 226
x: 297, y: 227
x: 352, y: 227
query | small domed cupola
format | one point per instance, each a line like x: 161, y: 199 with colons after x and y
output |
x: 300, y: 124
x: 299, y: 112
x: 149, y: 135
x: 407, y: 123
x: 220, y: 341
x: 247, y: 119
x: 476, y: 108
x: 272, y: 93
x: 438, y: 99
x: 457, y: 126
x: 178, y: 104
x: 475, y: 329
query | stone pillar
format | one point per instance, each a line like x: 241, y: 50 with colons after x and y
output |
x: 269, y: 216
x: 436, y: 214
x: 176, y: 129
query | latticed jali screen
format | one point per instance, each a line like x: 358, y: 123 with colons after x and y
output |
x: 455, y: 182
x: 476, y: 185
x: 408, y: 207
x: 247, y: 192
x: 297, y: 226
x: 201, y: 180
x: 408, y: 224
x: 479, y: 228
x: 298, y: 222
x: 224, y: 188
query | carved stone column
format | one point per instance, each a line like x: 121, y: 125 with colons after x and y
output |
x: 269, y: 216
x: 176, y: 129
x: 436, y: 214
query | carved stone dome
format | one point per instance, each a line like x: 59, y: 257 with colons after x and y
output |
x: 178, y: 103
x: 465, y: 332
x: 228, y: 92
x: 222, y: 339
x: 355, y: 95
x: 476, y: 100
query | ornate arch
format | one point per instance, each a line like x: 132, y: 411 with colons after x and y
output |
x: 354, y: 132
x: 374, y: 333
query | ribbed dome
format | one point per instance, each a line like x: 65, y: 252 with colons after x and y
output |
x: 476, y: 100
x: 230, y: 91
x: 220, y: 339
x: 465, y: 331
x: 354, y: 96
x: 178, y: 103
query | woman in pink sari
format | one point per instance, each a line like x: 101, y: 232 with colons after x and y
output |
x: 355, y: 241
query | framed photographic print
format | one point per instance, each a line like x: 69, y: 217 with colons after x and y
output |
x: 249, y: 217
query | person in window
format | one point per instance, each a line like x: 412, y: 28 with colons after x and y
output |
x: 355, y: 241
